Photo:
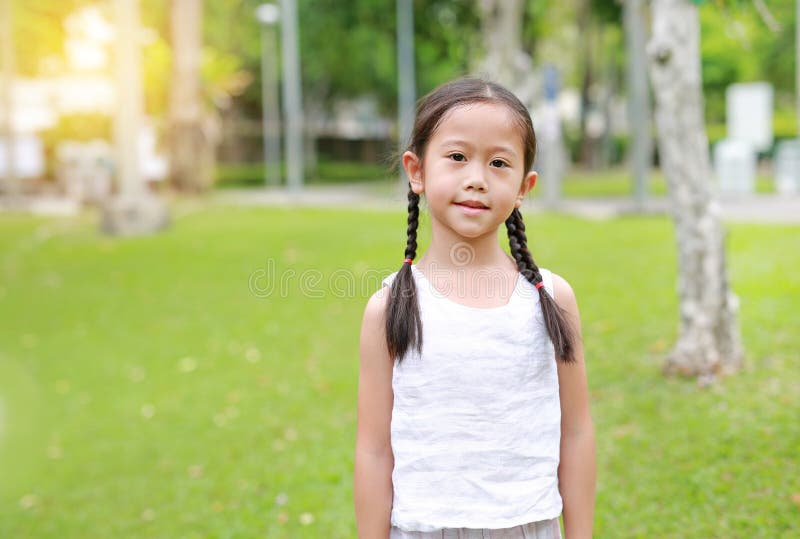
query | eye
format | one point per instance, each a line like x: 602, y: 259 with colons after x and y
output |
x: 499, y: 163
x: 458, y: 157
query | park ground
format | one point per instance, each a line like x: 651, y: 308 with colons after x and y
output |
x: 159, y: 387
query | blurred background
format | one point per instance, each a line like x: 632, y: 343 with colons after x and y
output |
x: 213, y: 71
x: 197, y: 199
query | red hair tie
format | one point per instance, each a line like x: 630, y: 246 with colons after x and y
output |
x: 539, y: 285
x: 408, y: 261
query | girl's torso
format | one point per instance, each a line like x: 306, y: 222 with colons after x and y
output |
x: 476, y: 416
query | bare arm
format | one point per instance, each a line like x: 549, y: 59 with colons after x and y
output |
x: 374, y: 461
x: 577, y: 470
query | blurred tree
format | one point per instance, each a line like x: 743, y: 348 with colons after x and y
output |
x: 448, y: 39
x: 639, y: 110
x: 599, y: 24
x: 347, y: 49
x: 190, y: 142
x: 708, y: 341
x: 501, y: 23
x: 740, y: 45
x: 550, y: 35
x: 40, y: 24
x: 8, y: 181
x: 363, y: 58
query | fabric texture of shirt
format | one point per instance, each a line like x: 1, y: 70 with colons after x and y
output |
x: 476, y: 419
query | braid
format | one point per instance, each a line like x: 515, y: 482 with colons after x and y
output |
x: 403, y: 320
x: 413, y: 223
x: 558, y: 327
x: 519, y: 248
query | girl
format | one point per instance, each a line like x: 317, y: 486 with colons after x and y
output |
x: 473, y: 416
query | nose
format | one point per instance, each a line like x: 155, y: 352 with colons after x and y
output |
x: 476, y: 180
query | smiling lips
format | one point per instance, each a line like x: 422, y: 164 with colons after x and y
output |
x: 472, y: 204
x: 472, y: 207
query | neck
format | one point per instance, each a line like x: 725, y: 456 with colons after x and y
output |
x: 448, y: 251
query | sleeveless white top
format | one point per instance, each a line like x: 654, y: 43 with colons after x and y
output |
x: 476, y: 419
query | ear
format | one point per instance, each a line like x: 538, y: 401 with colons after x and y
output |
x: 413, y: 167
x: 527, y: 185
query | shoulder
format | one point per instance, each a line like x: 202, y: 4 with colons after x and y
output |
x: 375, y: 309
x: 388, y: 280
x: 564, y: 297
x: 563, y: 293
x: 374, y: 358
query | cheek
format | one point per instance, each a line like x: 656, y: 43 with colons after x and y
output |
x: 439, y: 194
x: 435, y: 192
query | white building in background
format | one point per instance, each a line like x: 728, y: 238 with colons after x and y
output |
x: 28, y: 156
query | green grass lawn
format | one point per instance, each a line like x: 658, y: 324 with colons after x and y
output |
x: 157, y: 387
x: 618, y: 182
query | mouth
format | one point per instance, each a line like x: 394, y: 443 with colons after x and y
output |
x: 474, y: 204
x: 472, y: 207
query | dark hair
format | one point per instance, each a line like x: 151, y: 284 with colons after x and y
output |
x: 403, y: 320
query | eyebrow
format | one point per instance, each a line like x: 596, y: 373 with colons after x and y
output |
x: 498, y: 148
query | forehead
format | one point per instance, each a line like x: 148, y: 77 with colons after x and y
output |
x: 479, y: 122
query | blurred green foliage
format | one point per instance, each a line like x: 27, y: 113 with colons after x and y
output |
x: 739, y: 46
x: 348, y: 49
x: 80, y: 127
x: 39, y: 34
x: 74, y: 127
x: 243, y: 175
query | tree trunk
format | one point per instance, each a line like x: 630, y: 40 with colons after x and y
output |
x: 638, y: 98
x: 708, y: 340
x: 797, y: 63
x: 607, y: 152
x: 502, y: 36
x: 506, y: 63
x: 190, y: 145
x: 314, y: 109
x: 587, y: 32
x: 9, y: 185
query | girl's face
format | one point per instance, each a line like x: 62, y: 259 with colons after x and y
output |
x: 473, y: 171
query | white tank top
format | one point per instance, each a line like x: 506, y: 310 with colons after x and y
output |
x: 476, y: 419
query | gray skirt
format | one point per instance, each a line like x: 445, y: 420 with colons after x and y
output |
x: 544, y: 529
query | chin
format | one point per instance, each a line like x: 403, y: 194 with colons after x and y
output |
x: 474, y: 234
